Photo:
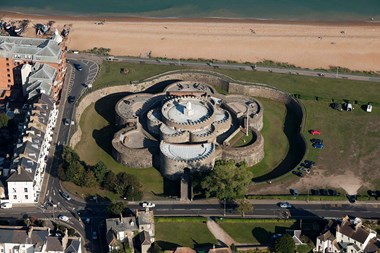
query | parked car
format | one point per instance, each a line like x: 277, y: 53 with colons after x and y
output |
x: 94, y: 235
x: 63, y: 217
x: 66, y: 196
x: 352, y: 198
x: 324, y: 192
x: 78, y: 66
x: 68, y: 122
x: 147, y: 204
x: 294, y: 192
x: 71, y: 99
x: 6, y: 205
x: 285, y: 205
x: 298, y: 173
x: 315, y: 132
x: 318, y: 145
x: 335, y: 106
x: 314, y: 192
x: 314, y: 140
x: 332, y: 192
x: 308, y: 164
x: 371, y: 193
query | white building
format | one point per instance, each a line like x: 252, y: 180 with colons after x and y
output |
x: 29, y: 159
x: 348, y: 236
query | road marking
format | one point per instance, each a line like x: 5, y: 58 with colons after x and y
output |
x: 54, y: 192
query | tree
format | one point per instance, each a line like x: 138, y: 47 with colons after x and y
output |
x: 3, y: 120
x: 227, y: 180
x: 61, y: 173
x: 116, y: 208
x: 110, y: 181
x: 244, y: 207
x: 76, y: 173
x: 133, y: 193
x: 100, y: 170
x: 89, y: 179
x: 284, y: 244
x: 69, y: 155
x: 155, y: 248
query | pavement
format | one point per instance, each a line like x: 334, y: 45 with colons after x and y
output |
x: 222, y: 236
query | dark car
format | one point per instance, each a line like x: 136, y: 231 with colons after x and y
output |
x: 71, y: 99
x: 332, y: 192
x: 78, y: 66
x: 323, y: 192
x: 308, y: 164
x: 372, y: 193
x: 294, y: 192
x: 298, y: 173
x: 314, y: 140
x: 377, y: 193
x: 314, y: 192
x: 352, y: 198
x: 318, y: 145
x: 335, y: 106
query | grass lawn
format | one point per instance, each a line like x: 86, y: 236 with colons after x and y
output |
x: 254, y: 233
x: 275, y: 141
x: 241, y: 139
x: 191, y: 234
x: 110, y: 73
x: 97, y: 124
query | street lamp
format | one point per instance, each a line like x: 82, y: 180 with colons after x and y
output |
x: 224, y: 207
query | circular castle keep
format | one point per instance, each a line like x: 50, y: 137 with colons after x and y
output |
x: 187, y: 126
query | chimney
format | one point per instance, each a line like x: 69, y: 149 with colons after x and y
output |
x: 137, y: 212
x: 30, y: 230
x: 18, y: 170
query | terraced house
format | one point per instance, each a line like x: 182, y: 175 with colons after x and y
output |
x: 25, y: 173
x: 38, y: 65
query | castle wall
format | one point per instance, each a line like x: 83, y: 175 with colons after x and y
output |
x: 173, y: 169
x: 251, y: 154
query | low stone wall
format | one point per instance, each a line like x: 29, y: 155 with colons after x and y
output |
x: 251, y: 154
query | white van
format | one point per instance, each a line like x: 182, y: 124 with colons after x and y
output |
x: 6, y: 205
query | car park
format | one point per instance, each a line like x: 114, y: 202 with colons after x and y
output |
x: 65, y: 195
x: 147, y: 204
x: 318, y: 145
x: 63, y: 217
x: 315, y: 132
x: 285, y: 205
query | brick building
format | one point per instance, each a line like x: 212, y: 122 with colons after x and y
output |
x: 17, y: 52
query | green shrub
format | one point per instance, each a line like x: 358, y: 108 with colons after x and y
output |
x: 180, y: 219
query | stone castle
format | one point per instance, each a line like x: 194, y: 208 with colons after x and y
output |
x: 188, y: 126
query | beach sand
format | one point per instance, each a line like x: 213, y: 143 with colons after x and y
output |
x: 312, y: 45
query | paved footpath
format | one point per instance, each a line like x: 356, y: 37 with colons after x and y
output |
x: 219, y: 233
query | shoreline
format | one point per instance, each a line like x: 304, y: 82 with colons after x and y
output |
x: 242, y: 20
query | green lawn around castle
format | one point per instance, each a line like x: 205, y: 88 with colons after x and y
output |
x: 351, y: 138
x: 169, y: 235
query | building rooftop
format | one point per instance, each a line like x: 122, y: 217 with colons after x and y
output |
x: 32, y: 49
x: 21, y: 175
x: 122, y: 224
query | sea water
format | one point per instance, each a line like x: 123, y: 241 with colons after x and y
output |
x: 314, y: 10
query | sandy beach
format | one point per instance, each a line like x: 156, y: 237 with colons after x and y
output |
x: 312, y: 45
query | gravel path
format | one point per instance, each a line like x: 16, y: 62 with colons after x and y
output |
x: 219, y: 233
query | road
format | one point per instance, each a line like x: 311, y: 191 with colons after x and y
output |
x: 237, y: 66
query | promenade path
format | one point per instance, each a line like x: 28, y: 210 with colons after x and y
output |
x: 218, y: 232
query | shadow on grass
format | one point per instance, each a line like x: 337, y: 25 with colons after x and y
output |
x: 297, y: 145
x: 105, y: 106
x: 168, y: 245
x: 262, y: 236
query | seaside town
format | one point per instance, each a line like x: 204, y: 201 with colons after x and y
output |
x: 184, y: 136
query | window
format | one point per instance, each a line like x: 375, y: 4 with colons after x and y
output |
x: 7, y: 64
x: 8, y: 75
x: 14, y: 196
x: 8, y: 70
x: 25, y: 189
x: 9, y: 80
x: 26, y: 196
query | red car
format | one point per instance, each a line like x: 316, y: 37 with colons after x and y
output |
x: 315, y: 132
